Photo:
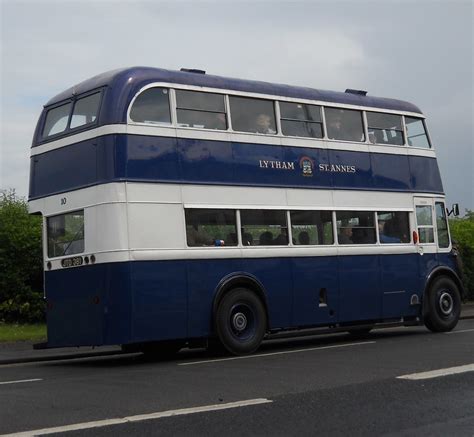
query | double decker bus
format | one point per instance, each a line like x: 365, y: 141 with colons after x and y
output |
x: 181, y: 207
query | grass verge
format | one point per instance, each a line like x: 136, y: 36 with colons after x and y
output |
x: 12, y: 332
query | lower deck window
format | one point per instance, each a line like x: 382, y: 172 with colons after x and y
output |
x: 355, y: 227
x: 264, y: 228
x: 311, y: 227
x: 394, y: 227
x: 210, y: 227
x: 65, y: 234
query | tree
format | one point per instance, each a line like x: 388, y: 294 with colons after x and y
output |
x: 21, y: 272
x: 462, y: 231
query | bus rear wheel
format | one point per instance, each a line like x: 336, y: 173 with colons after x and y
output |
x: 443, y: 305
x: 241, y: 321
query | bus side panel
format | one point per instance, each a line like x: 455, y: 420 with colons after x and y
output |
x: 426, y: 263
x: 118, y: 309
x: 208, y: 160
x: 88, y: 305
x: 275, y: 276
x: 314, y: 177
x: 399, y: 282
x: 203, y: 278
x: 254, y: 164
x: 360, y: 178
x: 425, y: 176
x: 159, y: 295
x: 391, y: 171
x: 312, y: 278
x: 360, y: 297
x: 151, y: 158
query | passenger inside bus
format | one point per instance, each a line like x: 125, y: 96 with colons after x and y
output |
x: 345, y: 235
x: 264, y: 124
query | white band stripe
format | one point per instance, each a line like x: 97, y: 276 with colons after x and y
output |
x: 139, y: 418
x: 437, y: 373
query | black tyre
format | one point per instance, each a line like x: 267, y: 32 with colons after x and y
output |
x: 240, y: 321
x: 442, y: 305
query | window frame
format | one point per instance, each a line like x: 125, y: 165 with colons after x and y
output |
x: 423, y: 121
x: 352, y: 244
x: 177, y: 108
x: 410, y: 236
x: 280, y: 118
x: 402, y: 129
x: 171, y: 103
x: 70, y: 131
x: 431, y: 226
x: 47, y: 218
x: 445, y: 216
x: 276, y: 115
x: 346, y: 108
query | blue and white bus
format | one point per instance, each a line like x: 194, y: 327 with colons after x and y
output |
x: 181, y: 207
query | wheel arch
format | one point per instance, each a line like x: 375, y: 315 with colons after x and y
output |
x: 240, y: 279
x: 436, y: 273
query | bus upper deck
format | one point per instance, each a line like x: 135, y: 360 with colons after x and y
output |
x: 213, y: 130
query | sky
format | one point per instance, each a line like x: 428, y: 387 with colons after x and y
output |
x: 419, y: 51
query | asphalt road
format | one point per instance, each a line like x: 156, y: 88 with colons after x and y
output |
x: 328, y: 385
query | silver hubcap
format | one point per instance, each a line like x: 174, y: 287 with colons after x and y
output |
x: 446, y: 303
x: 239, y: 321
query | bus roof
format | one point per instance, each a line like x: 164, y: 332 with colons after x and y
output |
x: 126, y: 82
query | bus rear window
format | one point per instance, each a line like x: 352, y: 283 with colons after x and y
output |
x: 56, y: 120
x: 85, y: 111
x: 65, y: 234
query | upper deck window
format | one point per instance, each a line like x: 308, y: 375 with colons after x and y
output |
x: 300, y: 120
x: 56, y: 120
x: 416, y: 133
x: 344, y: 124
x: 85, y: 110
x: 201, y: 110
x: 385, y: 128
x: 152, y: 106
x: 252, y: 115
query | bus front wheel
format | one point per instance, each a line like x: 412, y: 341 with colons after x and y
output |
x: 443, y: 305
x: 240, y: 321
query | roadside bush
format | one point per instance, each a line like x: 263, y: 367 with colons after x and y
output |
x: 21, y: 273
x: 462, y: 232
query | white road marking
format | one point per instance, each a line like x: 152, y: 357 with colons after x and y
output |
x: 438, y: 373
x: 458, y: 332
x: 20, y: 381
x: 246, y: 357
x: 138, y: 418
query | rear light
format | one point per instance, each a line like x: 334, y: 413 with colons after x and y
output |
x: 415, y: 237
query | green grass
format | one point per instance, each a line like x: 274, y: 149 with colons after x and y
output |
x: 11, y: 332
